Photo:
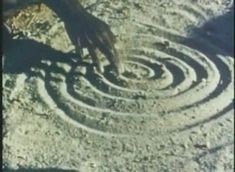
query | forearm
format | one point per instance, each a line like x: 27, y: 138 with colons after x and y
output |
x: 73, y: 6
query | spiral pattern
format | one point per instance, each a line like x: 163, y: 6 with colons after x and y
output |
x: 167, y: 86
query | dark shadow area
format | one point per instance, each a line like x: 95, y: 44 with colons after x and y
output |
x: 215, y: 37
x: 218, y: 31
x: 39, y: 170
x: 21, y: 55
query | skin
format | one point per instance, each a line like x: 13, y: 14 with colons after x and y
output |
x: 84, y: 29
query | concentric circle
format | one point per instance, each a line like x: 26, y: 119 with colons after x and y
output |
x: 164, y: 85
x: 169, y: 84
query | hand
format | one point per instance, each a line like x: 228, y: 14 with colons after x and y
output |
x: 87, y: 31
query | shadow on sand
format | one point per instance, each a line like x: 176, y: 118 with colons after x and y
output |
x: 22, y: 55
x: 28, y: 53
x: 39, y: 170
x: 218, y: 31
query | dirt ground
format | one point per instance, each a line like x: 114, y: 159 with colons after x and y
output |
x: 172, y: 110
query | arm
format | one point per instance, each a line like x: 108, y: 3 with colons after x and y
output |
x: 87, y: 31
x: 83, y: 29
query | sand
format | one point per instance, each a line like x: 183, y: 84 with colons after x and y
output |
x: 170, y: 111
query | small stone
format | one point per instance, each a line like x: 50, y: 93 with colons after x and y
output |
x: 208, y: 145
x: 185, y: 145
x: 93, y: 165
x: 204, y: 80
x: 167, y: 43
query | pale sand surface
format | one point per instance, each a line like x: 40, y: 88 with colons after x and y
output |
x: 172, y: 110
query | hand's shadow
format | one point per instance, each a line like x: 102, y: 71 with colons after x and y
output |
x: 21, y: 55
x: 39, y: 170
x: 218, y: 31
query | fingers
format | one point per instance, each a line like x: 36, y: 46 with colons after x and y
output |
x: 104, y: 41
x: 78, y: 47
x: 98, y: 36
x: 93, y: 52
x: 106, y: 46
x: 103, y: 32
x: 110, y: 54
x: 108, y: 35
x: 113, y: 58
x: 97, y: 64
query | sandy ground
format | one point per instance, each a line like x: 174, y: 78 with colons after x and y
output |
x: 172, y: 110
